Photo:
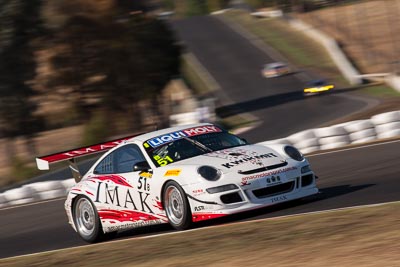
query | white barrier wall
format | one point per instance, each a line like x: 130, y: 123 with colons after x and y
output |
x: 381, y: 126
x: 337, y: 55
x: 385, y: 125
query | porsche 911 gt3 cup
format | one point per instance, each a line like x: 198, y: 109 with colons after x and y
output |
x: 180, y: 176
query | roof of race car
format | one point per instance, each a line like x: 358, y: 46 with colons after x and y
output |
x: 146, y: 136
x: 274, y: 65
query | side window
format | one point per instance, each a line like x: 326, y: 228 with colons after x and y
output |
x: 106, y: 166
x: 120, y: 161
x: 126, y: 157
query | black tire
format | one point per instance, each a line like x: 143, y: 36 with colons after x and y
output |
x: 87, y: 221
x: 176, y: 206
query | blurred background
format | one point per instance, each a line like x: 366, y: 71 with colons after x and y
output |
x: 79, y: 72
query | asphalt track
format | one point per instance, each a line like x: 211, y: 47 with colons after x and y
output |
x: 236, y: 63
x: 360, y: 176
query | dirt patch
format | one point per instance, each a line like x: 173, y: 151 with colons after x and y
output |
x: 368, y: 31
x: 353, y: 237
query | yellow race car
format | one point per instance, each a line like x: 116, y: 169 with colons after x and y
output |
x: 317, y: 86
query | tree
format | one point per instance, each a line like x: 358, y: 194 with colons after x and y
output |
x: 214, y: 5
x: 21, y: 27
x: 119, y: 58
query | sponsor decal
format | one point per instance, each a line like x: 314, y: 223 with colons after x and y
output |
x: 131, y: 225
x: 277, y: 199
x: 262, y: 175
x: 166, y: 138
x: 244, y: 183
x: 175, y: 172
x: 252, y: 159
x: 146, y: 174
x: 163, y: 161
x: 231, y: 154
x: 84, y: 150
x: 198, y: 192
x: 274, y: 179
x: 123, y: 197
x: 199, y: 208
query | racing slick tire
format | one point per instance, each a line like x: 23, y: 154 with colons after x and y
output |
x: 177, y: 206
x: 87, y: 221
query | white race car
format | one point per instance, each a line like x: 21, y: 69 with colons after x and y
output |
x: 275, y: 69
x: 179, y: 176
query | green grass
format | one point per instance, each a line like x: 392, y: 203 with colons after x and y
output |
x: 297, y: 48
x: 192, y: 76
x: 380, y: 91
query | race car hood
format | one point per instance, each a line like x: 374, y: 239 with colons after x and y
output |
x: 243, y: 158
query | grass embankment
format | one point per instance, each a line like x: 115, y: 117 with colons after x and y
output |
x: 300, y: 50
x: 297, y: 48
x: 368, y: 236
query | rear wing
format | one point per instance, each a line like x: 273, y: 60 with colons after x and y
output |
x: 43, y: 163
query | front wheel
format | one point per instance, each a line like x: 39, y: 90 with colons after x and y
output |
x: 177, y: 206
x: 86, y: 219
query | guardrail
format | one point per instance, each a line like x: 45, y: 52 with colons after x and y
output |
x: 381, y: 126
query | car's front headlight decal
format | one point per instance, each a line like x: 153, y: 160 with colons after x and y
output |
x: 221, y: 188
x: 209, y: 173
x: 305, y: 169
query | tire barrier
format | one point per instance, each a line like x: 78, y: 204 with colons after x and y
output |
x: 36, y: 192
x: 385, y: 125
x: 381, y: 126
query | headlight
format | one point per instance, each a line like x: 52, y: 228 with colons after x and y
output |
x: 209, y: 173
x: 293, y: 153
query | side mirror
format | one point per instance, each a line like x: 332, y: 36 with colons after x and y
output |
x: 141, y: 166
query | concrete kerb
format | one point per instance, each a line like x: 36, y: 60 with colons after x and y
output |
x: 393, y: 81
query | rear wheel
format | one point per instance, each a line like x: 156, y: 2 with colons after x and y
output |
x: 177, y: 206
x: 87, y: 220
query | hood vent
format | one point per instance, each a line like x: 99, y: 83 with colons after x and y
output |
x: 263, y: 169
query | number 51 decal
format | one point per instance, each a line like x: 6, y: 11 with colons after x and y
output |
x: 143, y: 184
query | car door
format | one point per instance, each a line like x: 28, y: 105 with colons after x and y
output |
x: 126, y: 192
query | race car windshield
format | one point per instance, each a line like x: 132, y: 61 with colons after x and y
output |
x: 189, y: 147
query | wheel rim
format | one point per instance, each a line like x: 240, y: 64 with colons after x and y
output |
x: 85, y: 217
x: 174, y: 205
